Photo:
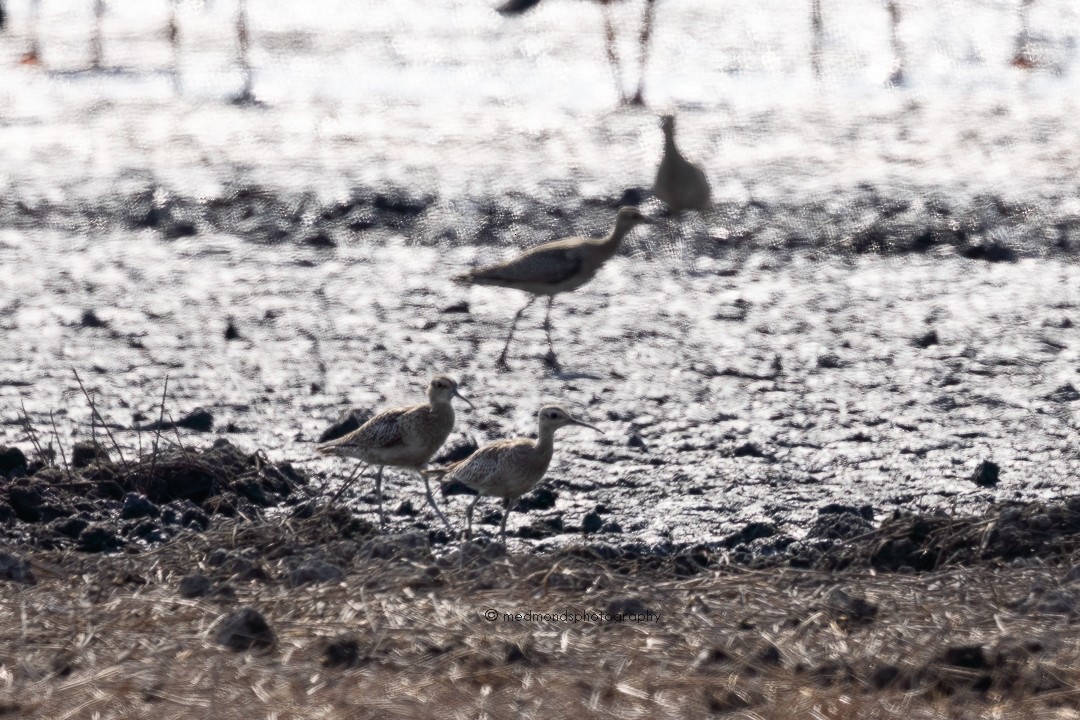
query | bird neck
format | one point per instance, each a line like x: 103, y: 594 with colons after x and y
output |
x: 620, y: 231
x: 545, y: 441
x: 669, y: 142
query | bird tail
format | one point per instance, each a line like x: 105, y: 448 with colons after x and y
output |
x: 438, y: 473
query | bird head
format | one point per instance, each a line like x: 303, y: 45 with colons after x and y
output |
x: 444, y: 388
x: 553, y: 417
x: 667, y: 124
x: 628, y: 217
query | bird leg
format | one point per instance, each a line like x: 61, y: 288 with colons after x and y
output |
x: 510, y: 503
x: 468, y: 517
x: 431, y: 502
x: 613, y: 52
x: 550, y: 359
x: 378, y: 494
x: 643, y: 43
x: 501, y: 362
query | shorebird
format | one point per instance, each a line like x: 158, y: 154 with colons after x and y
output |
x: 679, y: 183
x: 517, y: 7
x: 509, y: 468
x: 553, y: 268
x: 404, y: 437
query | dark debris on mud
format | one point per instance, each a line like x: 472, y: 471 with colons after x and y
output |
x: 872, y: 219
x: 100, y: 504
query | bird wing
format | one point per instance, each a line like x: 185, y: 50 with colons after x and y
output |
x: 548, y: 264
x: 488, y: 461
x: 381, y: 431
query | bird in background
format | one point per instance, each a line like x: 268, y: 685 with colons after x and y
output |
x: 403, y: 437
x: 518, y: 7
x: 509, y: 468
x: 552, y: 268
x: 679, y: 183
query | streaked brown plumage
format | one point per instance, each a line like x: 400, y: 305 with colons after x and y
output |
x: 553, y: 268
x: 679, y: 183
x: 404, y: 437
x: 509, y: 468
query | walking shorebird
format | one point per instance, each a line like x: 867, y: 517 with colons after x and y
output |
x: 404, y: 437
x: 509, y: 468
x: 679, y: 183
x: 517, y: 7
x: 553, y: 268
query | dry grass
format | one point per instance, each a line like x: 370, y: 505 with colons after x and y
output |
x: 110, y: 637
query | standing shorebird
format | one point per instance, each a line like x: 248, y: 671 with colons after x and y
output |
x: 509, y: 468
x: 679, y: 183
x: 404, y: 437
x: 553, y: 268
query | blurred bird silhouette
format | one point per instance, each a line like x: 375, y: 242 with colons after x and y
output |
x: 517, y: 7
x: 679, y: 183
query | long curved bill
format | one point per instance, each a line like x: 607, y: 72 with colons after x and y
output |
x: 464, y: 399
x: 582, y: 423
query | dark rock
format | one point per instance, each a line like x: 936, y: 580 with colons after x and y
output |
x: 231, y: 331
x: 346, y: 424
x: 631, y: 196
x: 866, y: 512
x: 194, y: 586
x: 885, y: 676
x: 90, y: 319
x: 930, y: 337
x: 751, y: 531
x: 612, y: 527
x: 541, y: 499
x: 199, y: 420
x: 11, y: 460
x: 319, y: 238
x: 71, y: 527
x: 458, y: 307
x: 86, y: 452
x: 405, y: 508
x: 966, y: 656
x: 990, y: 252
x: 627, y: 606
x: 315, y: 572
x: 138, y: 506
x: 195, y: 518
x: 98, y: 538
x: 455, y: 451
x: 591, y: 523
x: 850, y: 608
x: 986, y: 474
x: 26, y: 501
x: 15, y: 569
x: 1065, y: 393
x: 342, y: 652
x: 245, y: 629
x: 636, y: 441
x: 748, y: 449
x: 843, y: 526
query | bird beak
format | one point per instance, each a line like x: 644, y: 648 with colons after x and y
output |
x: 575, y: 421
x: 464, y: 399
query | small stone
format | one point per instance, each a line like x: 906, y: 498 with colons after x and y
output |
x: 245, y: 629
x: 11, y: 460
x: 315, y: 572
x: 15, y: 569
x: 138, y: 506
x: 986, y: 474
x: 97, y: 538
x: 636, y: 441
x: 591, y: 523
x: 193, y: 586
x: 966, y: 656
x: 85, y: 452
x: 342, y: 652
x: 927, y: 339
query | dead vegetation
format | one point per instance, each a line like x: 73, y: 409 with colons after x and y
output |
x: 403, y: 631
